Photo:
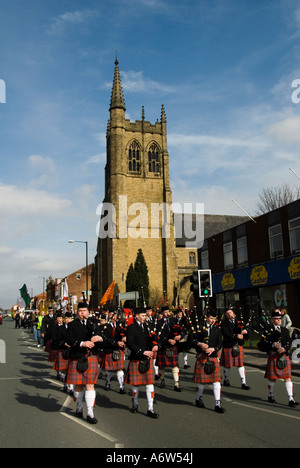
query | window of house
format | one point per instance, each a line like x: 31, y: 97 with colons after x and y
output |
x: 153, y: 159
x: 134, y: 162
x: 192, y: 258
x: 276, y: 241
x: 242, y: 251
x: 294, y: 228
x: 204, y: 260
x: 78, y: 276
x: 228, y: 256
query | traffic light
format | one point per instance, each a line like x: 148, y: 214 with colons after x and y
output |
x: 205, y: 284
x: 194, y: 279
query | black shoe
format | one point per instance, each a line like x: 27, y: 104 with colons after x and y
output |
x: 157, y: 377
x: 134, y: 408
x: 186, y: 366
x: 79, y: 414
x: 245, y: 387
x: 162, y: 384
x: 91, y: 420
x: 219, y: 409
x: 271, y: 399
x: 152, y: 414
x: 122, y: 391
x: 293, y: 403
x: 177, y: 389
x: 107, y: 387
x: 226, y: 383
x: 199, y: 403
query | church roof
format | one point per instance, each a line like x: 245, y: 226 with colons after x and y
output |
x: 212, y: 225
x: 117, y: 98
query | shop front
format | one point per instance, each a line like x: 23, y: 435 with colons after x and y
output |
x: 260, y: 287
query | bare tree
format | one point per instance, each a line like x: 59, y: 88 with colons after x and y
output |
x: 273, y: 198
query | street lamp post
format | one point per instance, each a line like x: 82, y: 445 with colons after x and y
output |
x: 44, y: 282
x: 86, y: 261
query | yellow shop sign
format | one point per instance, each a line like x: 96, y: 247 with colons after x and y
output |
x: 228, y: 282
x: 259, y: 276
x: 294, y: 268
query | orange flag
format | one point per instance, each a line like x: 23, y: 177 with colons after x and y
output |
x: 109, y: 295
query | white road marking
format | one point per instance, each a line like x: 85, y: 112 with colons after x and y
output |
x: 87, y: 425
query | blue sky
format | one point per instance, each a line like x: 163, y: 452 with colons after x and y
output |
x: 223, y: 70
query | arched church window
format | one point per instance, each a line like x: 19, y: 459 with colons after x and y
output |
x: 134, y: 162
x: 153, y: 158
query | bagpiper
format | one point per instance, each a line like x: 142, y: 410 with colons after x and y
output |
x: 277, y: 343
x: 168, y: 356
x: 207, y: 340
x: 233, y: 352
x: 83, y: 362
x: 142, y: 344
x: 113, y: 353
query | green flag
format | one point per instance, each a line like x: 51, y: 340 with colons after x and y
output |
x: 25, y: 296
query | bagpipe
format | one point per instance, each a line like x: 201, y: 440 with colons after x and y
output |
x: 263, y: 327
x: 198, y: 332
x: 154, y: 333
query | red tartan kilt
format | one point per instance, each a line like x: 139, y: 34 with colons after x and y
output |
x: 48, y: 346
x: 200, y: 376
x: 52, y: 355
x: 163, y: 361
x: 110, y: 365
x: 272, y: 371
x: 89, y: 377
x: 135, y: 378
x: 227, y: 360
x: 60, y: 364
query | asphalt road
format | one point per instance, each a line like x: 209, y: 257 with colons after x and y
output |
x: 35, y: 413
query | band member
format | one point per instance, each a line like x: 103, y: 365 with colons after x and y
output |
x: 82, y: 348
x: 47, y: 330
x: 114, y: 353
x: 151, y: 322
x: 59, y: 335
x: 233, y: 352
x: 208, y: 341
x: 59, y: 339
x: 277, y: 343
x: 142, y: 345
x: 181, y: 320
x: 167, y: 355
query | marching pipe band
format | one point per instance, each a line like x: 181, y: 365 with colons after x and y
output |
x: 88, y: 346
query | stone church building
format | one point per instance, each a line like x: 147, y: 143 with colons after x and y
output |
x: 137, y: 210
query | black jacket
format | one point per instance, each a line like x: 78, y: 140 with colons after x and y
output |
x: 59, y: 336
x: 274, y: 336
x: 139, y: 340
x: 213, y: 340
x: 76, y: 334
x: 111, y: 338
x: 230, y: 331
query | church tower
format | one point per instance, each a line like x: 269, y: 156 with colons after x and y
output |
x: 137, y: 187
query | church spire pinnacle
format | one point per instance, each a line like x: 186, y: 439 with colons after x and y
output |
x: 117, y: 99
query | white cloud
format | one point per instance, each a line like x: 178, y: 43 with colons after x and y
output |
x: 135, y: 82
x: 4, y: 251
x: 286, y: 131
x: 21, y: 202
x: 41, y: 163
x: 71, y: 18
